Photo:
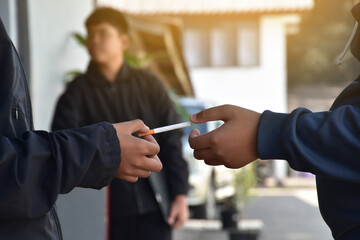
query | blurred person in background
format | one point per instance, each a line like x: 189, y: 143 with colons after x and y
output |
x: 111, y: 90
x: 326, y: 144
x: 37, y: 166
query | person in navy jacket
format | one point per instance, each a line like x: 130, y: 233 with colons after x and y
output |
x: 37, y: 166
x: 326, y: 144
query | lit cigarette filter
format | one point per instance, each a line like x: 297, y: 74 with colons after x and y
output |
x: 166, y: 128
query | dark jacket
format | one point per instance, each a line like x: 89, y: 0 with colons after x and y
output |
x: 90, y: 98
x: 328, y: 145
x: 35, y: 166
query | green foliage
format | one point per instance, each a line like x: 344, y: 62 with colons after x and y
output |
x: 244, y: 180
x: 69, y: 76
x: 142, y: 60
x: 80, y: 39
x: 178, y: 107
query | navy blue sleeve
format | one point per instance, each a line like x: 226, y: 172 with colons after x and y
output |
x: 38, y: 166
x: 324, y: 143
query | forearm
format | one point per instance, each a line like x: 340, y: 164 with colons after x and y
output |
x: 38, y: 166
x: 325, y: 143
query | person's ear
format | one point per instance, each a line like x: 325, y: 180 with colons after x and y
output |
x: 124, y: 38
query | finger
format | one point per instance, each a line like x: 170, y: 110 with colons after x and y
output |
x: 212, y: 162
x: 203, y: 141
x: 129, y: 178
x: 137, y: 126
x: 151, y: 164
x: 143, y: 173
x: 208, y: 156
x: 181, y: 219
x: 171, y: 218
x: 156, y: 157
x: 204, y: 154
x: 212, y: 114
x: 151, y: 139
x: 194, y: 133
x: 178, y: 223
x: 150, y: 146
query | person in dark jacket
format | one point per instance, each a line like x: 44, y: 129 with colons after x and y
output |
x: 324, y: 143
x: 111, y: 90
x: 36, y: 166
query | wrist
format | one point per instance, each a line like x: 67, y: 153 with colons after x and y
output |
x: 180, y: 198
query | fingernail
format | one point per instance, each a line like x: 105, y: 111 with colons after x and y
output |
x: 194, y: 133
x: 193, y: 117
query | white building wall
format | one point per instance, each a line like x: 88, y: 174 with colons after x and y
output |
x: 258, y: 87
x: 8, y: 17
x: 54, y: 52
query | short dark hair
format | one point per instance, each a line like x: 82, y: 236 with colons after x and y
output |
x: 108, y: 15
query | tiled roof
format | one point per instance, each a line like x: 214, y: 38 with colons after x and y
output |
x: 152, y: 7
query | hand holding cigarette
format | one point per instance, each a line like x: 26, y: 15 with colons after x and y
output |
x: 138, y: 156
x: 165, y: 129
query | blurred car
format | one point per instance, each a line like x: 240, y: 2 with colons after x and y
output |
x: 209, y: 186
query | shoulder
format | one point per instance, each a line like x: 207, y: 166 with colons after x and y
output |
x: 78, y: 85
x: 74, y: 89
x: 78, y: 82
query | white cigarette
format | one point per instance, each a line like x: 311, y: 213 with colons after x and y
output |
x: 166, y: 128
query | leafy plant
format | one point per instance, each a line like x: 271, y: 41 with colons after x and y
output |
x: 244, y: 179
x: 181, y: 110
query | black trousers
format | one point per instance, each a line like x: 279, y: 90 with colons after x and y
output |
x: 149, y: 226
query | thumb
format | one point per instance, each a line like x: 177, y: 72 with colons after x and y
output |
x: 212, y: 114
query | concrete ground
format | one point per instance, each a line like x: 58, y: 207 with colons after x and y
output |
x: 287, y: 213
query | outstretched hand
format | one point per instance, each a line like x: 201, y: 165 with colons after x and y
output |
x: 234, y: 144
x: 138, y: 156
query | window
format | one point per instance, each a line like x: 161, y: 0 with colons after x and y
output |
x: 196, y: 47
x: 222, y: 45
x: 247, y: 44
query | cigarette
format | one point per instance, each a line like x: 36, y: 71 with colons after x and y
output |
x: 165, y: 129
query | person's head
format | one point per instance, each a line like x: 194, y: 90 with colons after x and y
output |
x: 107, y: 37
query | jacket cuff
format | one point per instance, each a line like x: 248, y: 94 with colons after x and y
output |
x: 269, y: 144
x: 112, y: 151
x: 104, y: 167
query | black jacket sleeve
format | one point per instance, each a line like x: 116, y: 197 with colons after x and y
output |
x: 37, y: 166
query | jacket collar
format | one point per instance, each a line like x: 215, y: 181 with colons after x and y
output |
x: 95, y: 76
